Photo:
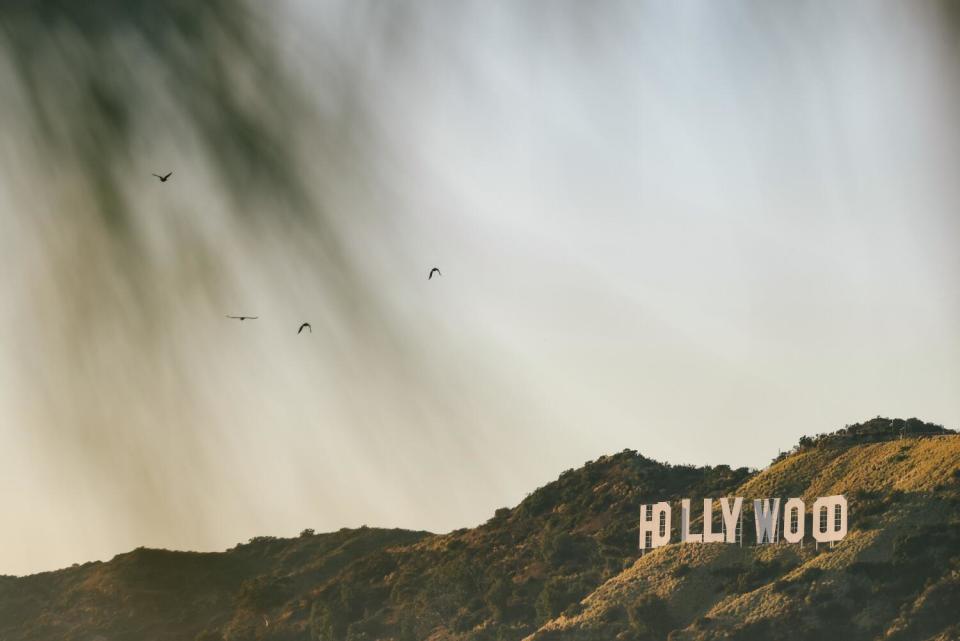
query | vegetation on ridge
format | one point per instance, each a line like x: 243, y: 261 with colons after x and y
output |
x: 875, y: 430
x: 561, y: 565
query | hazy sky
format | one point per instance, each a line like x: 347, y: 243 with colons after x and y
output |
x: 695, y: 229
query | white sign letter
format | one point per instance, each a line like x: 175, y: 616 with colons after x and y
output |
x: 731, y: 516
x: 709, y: 536
x: 655, y: 521
x: 765, y: 517
x: 793, y: 525
x: 830, y: 518
x: 685, y: 535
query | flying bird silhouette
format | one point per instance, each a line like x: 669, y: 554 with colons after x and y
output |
x: 435, y: 269
x: 163, y: 179
x: 243, y: 318
x: 307, y: 325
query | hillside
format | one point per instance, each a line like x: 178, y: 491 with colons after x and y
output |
x: 563, y: 564
x: 895, y: 576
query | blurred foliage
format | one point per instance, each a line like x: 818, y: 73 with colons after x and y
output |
x: 91, y: 71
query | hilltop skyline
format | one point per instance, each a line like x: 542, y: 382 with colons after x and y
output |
x: 563, y: 564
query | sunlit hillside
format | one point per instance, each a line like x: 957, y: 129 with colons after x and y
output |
x: 894, y: 576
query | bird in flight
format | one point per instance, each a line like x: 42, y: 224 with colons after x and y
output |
x: 243, y: 318
x: 435, y: 269
x: 307, y: 325
x: 163, y: 179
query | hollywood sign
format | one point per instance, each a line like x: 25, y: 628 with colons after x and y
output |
x: 829, y: 521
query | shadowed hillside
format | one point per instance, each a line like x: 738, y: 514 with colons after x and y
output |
x: 563, y: 564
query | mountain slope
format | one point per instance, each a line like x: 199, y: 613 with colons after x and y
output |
x: 894, y: 576
x: 563, y: 564
x: 159, y: 594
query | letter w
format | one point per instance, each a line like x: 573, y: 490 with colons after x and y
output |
x: 765, y: 516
